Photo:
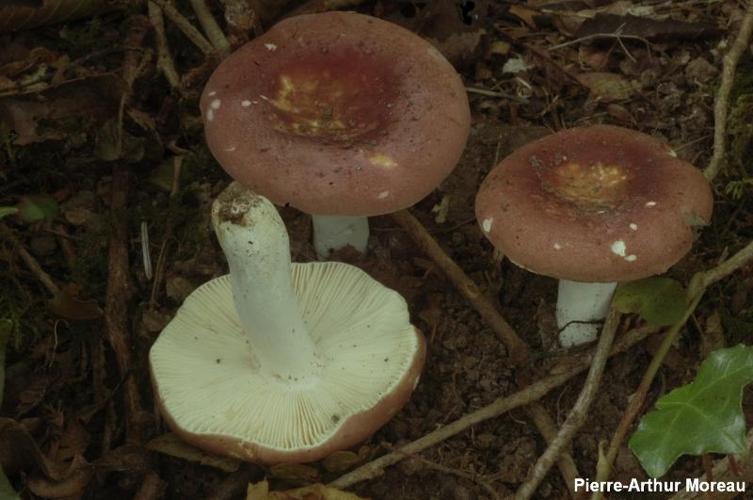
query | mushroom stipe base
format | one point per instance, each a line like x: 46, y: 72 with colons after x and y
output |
x: 580, y: 308
x: 333, y: 232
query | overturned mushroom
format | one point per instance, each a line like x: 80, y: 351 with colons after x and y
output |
x: 274, y: 363
x: 592, y: 206
x: 340, y: 115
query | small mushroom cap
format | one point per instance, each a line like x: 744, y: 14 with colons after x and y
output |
x: 337, y: 114
x: 211, y: 392
x: 594, y: 204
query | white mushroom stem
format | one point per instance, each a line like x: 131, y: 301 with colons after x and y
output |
x: 579, y: 305
x: 333, y: 232
x: 255, y: 242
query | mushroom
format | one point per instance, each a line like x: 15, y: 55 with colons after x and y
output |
x: 340, y: 115
x: 278, y: 362
x: 591, y: 207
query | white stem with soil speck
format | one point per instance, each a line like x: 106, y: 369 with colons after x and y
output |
x: 333, y: 232
x: 255, y: 242
x: 579, y: 307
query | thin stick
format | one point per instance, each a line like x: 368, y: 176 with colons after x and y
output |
x: 496, y: 93
x: 729, y: 66
x: 564, y: 371
x: 488, y: 312
x: 577, y: 416
x: 159, y: 271
x: 698, y: 286
x: 210, y: 27
x: 474, y: 478
x: 118, y: 291
x: 738, y: 260
x: 551, y: 62
x: 517, y: 349
x: 547, y: 427
x: 185, y: 26
x: 618, y: 36
x: 35, y: 267
x: 118, y: 294
x: 164, y: 59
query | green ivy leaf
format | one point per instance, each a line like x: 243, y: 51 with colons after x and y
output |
x: 35, y: 208
x: 704, y: 416
x: 660, y: 301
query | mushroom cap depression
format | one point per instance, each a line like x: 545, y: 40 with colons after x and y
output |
x: 337, y: 114
x: 212, y: 393
x: 594, y: 204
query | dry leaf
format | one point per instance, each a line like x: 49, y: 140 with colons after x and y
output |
x: 91, y: 99
x: 524, y: 14
x: 66, y: 304
x: 72, y: 485
x: 172, y: 445
x: 340, y: 461
x: 455, y: 32
x: 24, y: 15
x: 295, y: 473
x: 260, y: 491
x: 607, y: 86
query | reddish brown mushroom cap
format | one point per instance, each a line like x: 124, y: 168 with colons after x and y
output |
x: 337, y: 114
x: 595, y: 204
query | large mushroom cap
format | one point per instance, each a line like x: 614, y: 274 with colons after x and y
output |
x: 337, y: 114
x: 212, y: 393
x: 594, y: 204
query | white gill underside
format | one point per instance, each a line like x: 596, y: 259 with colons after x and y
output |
x: 205, y: 371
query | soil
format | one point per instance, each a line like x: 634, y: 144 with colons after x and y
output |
x: 532, y: 69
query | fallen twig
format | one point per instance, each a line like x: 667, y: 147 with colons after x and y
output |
x: 567, y: 368
x: 210, y: 27
x: 118, y: 278
x: 517, y: 349
x: 159, y: 270
x: 32, y: 264
x: 577, y: 416
x: 119, y: 293
x: 455, y: 472
x: 185, y: 26
x: 547, y: 427
x: 721, y: 271
x: 489, y: 313
x: 729, y: 66
x: 698, y: 286
x: 618, y: 36
x: 496, y: 93
x: 164, y: 59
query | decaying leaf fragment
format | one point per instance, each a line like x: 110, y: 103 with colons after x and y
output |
x: 607, y: 87
x: 17, y: 16
x: 260, y: 491
x: 172, y: 445
x: 52, y: 113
